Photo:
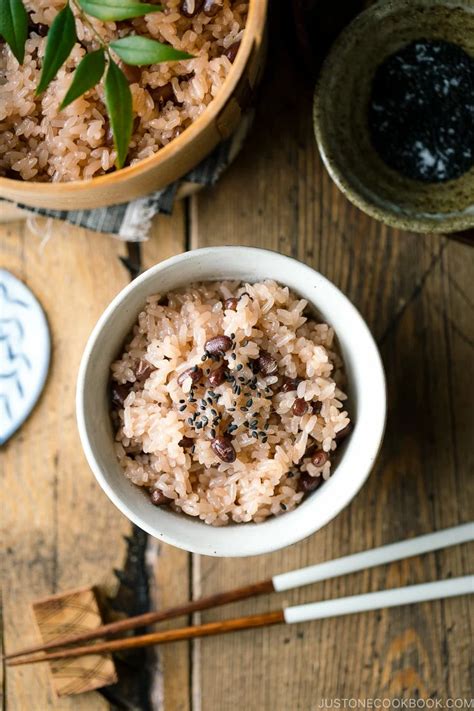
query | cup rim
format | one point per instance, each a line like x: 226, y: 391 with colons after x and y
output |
x: 240, y: 539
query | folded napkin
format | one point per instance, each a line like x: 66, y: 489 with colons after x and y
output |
x: 131, y: 221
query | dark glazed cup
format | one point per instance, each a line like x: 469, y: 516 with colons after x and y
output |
x: 340, y: 115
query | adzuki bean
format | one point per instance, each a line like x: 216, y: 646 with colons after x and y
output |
x: 217, y: 376
x: 218, y: 345
x: 290, y: 384
x: 194, y: 373
x: 299, y: 407
x: 231, y: 52
x: 186, y: 5
x: 266, y: 364
x: 231, y: 303
x: 319, y: 458
x: 158, y: 498
x: 223, y: 447
x: 212, y: 7
x: 143, y: 370
x: 308, y: 483
x: 118, y: 393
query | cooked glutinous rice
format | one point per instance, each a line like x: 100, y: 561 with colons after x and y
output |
x: 234, y: 451
x: 39, y: 142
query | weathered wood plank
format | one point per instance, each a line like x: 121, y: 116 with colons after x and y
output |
x: 56, y: 523
x: 279, y: 196
x: 45, y: 456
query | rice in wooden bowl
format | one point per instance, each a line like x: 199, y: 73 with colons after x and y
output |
x: 181, y: 108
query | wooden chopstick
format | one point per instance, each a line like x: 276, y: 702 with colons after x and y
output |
x: 148, y: 618
x: 147, y: 640
x: 285, y: 581
x: 298, y: 613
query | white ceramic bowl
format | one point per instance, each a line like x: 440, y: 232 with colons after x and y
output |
x: 366, y: 391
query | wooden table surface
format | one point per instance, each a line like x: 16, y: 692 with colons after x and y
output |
x: 60, y: 531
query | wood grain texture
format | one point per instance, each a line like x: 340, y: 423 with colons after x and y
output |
x: 49, y: 490
x: 59, y: 531
x: 416, y: 293
x: 65, y: 613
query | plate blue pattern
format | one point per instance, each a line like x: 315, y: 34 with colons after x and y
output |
x: 25, y: 348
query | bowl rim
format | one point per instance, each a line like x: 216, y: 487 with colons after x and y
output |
x: 421, y: 222
x: 223, y: 544
x: 255, y: 22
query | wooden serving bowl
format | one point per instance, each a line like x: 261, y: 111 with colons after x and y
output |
x: 174, y: 160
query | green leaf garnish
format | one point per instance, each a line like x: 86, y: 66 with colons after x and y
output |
x: 118, y: 100
x: 88, y: 73
x: 61, y: 39
x: 116, y: 10
x: 137, y: 51
x: 14, y: 26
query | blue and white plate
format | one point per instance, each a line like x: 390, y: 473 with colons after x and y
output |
x: 25, y: 348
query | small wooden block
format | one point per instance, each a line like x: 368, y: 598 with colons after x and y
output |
x: 66, y: 614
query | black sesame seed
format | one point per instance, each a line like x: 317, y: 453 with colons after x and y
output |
x: 193, y: 449
x: 231, y: 409
x: 214, y: 412
x: 266, y: 426
x: 182, y: 408
x: 203, y: 408
x: 205, y: 420
x: 181, y: 401
x: 192, y: 399
x: 264, y: 440
x: 254, y: 434
x: 203, y: 403
x: 249, y: 402
x: 247, y: 424
x: 244, y: 409
x: 283, y: 506
x: 204, y: 357
x: 233, y: 356
x: 195, y: 368
x: 213, y: 433
x: 239, y: 367
x: 209, y: 400
x: 253, y: 424
x: 190, y: 420
x: 232, y: 335
x: 207, y: 371
x: 241, y: 380
x: 199, y: 425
